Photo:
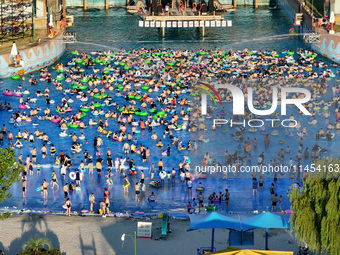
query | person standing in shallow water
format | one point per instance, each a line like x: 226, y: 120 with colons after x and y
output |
x: 24, y: 188
x: 68, y: 207
x: 152, y: 170
x: 45, y: 185
x: 126, y: 184
x: 92, y: 201
x: 266, y: 141
x: 227, y: 196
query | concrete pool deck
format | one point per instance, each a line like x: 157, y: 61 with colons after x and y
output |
x: 93, y: 235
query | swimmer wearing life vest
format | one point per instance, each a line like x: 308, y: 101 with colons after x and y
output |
x: 159, y: 144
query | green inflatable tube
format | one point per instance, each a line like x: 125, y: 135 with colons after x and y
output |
x: 131, y: 97
x: 143, y: 114
x: 74, y: 53
x: 60, y: 71
x: 211, y: 208
x: 83, y: 87
x: 72, y: 125
x: 159, y: 114
x: 103, y: 96
x: 138, y: 97
x: 152, y: 111
x: 145, y: 87
x: 83, y: 115
x: 84, y: 109
x: 97, y: 105
x: 60, y: 78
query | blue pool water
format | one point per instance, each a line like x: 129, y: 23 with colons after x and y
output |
x: 259, y: 30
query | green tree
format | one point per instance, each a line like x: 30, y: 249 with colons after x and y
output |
x: 9, y: 173
x: 316, y: 208
x: 37, y: 245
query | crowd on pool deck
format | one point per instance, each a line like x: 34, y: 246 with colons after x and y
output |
x: 173, y: 75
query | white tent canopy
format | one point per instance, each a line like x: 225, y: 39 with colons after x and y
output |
x: 14, y: 50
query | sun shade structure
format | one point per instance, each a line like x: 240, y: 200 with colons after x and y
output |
x: 216, y: 220
x: 267, y: 220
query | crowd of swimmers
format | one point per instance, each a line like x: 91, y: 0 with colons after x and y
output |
x: 173, y: 75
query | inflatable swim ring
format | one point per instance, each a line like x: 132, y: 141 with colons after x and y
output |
x: 72, y: 176
x: 15, y: 77
x: 72, y: 125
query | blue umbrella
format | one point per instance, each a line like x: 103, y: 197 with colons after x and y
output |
x: 216, y: 220
x: 266, y: 220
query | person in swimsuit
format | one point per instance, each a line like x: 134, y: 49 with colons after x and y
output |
x: 92, y: 201
x: 24, y: 183
x: 65, y: 189
x: 160, y: 165
x: 99, y: 166
x: 126, y: 184
x: 261, y: 182
x: 107, y: 205
x: 54, y: 180
x: 43, y: 151
x: 280, y: 203
x: 34, y: 154
x: 68, y: 205
x: 102, y: 208
x: 152, y: 170
x: 126, y: 148
x: 274, y: 202
x: 227, y: 196
x: 45, y: 185
x: 137, y: 188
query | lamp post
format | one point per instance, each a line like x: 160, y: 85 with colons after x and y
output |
x: 134, y: 238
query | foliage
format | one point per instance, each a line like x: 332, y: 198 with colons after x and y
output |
x: 51, y: 251
x: 37, y: 245
x: 316, y: 209
x: 9, y: 173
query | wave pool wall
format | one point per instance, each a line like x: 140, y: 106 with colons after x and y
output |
x: 34, y: 58
x: 329, y: 46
